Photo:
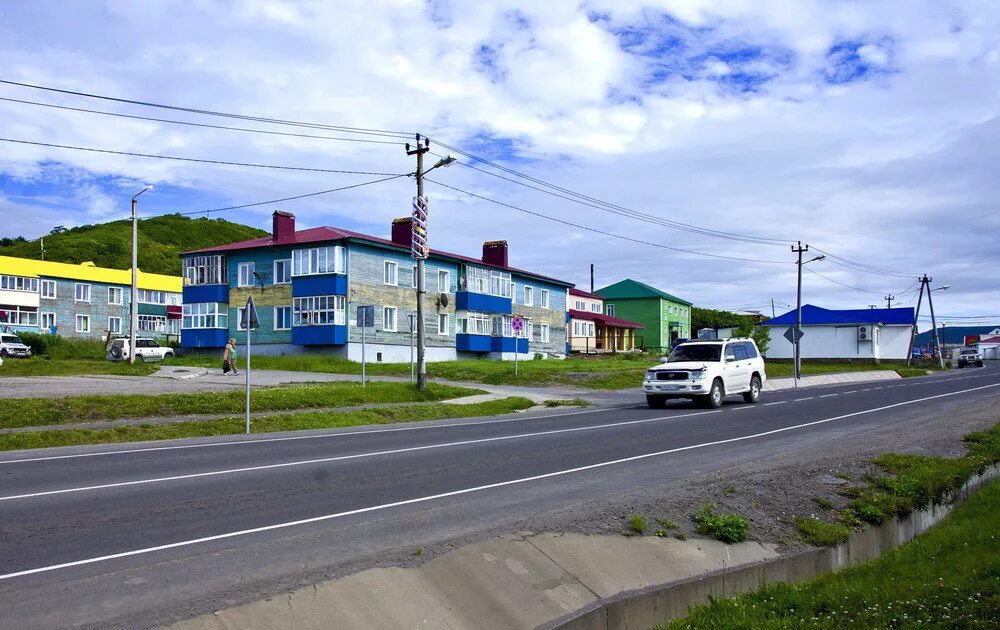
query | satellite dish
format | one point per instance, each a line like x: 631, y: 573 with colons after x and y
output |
x: 443, y: 300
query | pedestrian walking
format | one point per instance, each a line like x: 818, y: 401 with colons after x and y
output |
x: 229, y: 357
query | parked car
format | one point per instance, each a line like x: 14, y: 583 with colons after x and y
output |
x: 145, y: 350
x: 969, y: 356
x: 706, y: 372
x: 12, y: 346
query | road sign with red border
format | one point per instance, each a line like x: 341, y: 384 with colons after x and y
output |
x: 517, y: 324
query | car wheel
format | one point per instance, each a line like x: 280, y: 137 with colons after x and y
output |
x: 169, y: 355
x: 656, y: 402
x: 139, y: 359
x: 979, y: 364
x: 715, y: 394
x: 753, y: 396
x: 3, y: 353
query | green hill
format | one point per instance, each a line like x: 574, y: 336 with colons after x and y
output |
x: 161, y: 239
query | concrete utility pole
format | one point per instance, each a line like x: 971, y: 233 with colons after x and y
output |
x: 937, y: 339
x: 798, y: 314
x: 916, y: 319
x: 772, y: 309
x: 133, y: 310
x: 591, y: 277
x: 888, y: 300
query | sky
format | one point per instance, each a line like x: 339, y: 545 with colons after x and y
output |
x: 867, y: 130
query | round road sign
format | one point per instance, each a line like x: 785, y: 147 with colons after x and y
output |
x: 517, y: 324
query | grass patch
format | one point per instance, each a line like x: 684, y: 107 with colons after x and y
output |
x: 638, y: 524
x: 232, y: 426
x: 47, y: 366
x: 572, y: 402
x: 28, y: 412
x: 823, y: 502
x: 821, y: 533
x: 947, y: 577
x: 729, y: 528
x: 782, y: 370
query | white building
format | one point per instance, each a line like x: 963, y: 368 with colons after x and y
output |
x: 877, y: 333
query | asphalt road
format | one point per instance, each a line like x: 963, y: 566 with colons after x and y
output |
x: 134, y: 535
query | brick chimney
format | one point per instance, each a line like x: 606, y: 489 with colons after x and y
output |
x: 282, y: 226
x: 402, y: 231
x: 495, y: 253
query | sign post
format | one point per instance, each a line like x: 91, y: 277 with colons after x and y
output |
x: 366, y: 318
x: 248, y: 322
x: 517, y: 325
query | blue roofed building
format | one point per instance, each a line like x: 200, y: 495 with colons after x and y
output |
x: 864, y: 334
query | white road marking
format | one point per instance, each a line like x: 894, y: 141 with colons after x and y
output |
x: 453, y: 493
x: 806, y: 398
x: 828, y: 395
x: 337, y: 458
x: 867, y: 390
x: 744, y: 408
x: 780, y: 402
x: 314, y: 436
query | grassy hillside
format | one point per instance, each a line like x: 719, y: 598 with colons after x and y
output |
x: 161, y: 239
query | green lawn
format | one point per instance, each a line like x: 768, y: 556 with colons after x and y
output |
x: 782, y: 370
x: 233, y: 426
x: 44, y: 366
x: 29, y: 412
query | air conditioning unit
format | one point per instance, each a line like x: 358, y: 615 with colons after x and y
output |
x: 865, y: 333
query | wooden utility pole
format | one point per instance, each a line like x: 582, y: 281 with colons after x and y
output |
x: 888, y: 300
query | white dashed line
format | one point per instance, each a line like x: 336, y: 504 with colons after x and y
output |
x: 828, y: 395
x: 780, y: 402
x: 806, y: 398
x: 853, y: 391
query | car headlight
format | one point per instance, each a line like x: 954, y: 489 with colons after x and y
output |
x: 650, y: 375
x: 698, y: 375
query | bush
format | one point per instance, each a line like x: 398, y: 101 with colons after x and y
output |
x: 820, y: 533
x: 39, y: 343
x: 729, y: 528
x: 638, y: 524
x: 57, y: 347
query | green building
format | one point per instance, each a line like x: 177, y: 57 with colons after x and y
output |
x: 666, y: 318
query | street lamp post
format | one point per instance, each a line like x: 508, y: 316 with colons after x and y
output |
x: 133, y: 311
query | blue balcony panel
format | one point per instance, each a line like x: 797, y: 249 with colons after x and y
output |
x: 469, y: 301
x: 331, y: 335
x: 507, y: 344
x: 204, y: 338
x: 330, y: 284
x: 473, y: 343
x: 199, y: 293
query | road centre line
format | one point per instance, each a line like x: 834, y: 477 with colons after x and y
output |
x: 828, y: 395
x: 778, y: 402
x: 337, y: 458
x: 806, y: 398
x: 463, y: 491
x: 853, y: 391
x: 313, y: 436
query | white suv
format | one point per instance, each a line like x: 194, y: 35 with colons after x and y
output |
x: 706, y: 371
x: 145, y: 350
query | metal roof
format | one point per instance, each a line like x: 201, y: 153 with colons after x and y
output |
x: 952, y: 334
x: 629, y: 289
x: 607, y: 320
x: 816, y: 316
x: 87, y: 271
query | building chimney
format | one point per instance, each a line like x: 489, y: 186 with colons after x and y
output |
x: 282, y: 226
x: 402, y: 233
x: 495, y: 253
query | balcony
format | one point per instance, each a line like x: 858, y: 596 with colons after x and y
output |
x: 200, y: 293
x: 204, y: 337
x: 482, y: 303
x: 329, y: 335
x: 329, y: 284
x: 485, y: 343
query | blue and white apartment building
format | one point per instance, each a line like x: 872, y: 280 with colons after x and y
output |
x: 308, y: 284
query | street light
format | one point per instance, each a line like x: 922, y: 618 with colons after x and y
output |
x: 133, y: 311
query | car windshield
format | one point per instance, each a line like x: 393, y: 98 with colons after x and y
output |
x: 696, y: 352
x: 970, y: 351
x: 10, y: 339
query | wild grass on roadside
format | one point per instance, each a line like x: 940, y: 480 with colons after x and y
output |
x: 30, y: 412
x: 729, y: 528
x: 46, y: 366
x: 232, y: 426
x: 572, y: 402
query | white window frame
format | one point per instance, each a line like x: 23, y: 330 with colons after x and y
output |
x: 201, y: 270
x: 472, y: 323
x: 609, y: 310
x: 244, y: 274
x: 48, y: 283
x: 121, y: 295
x: 239, y: 317
x: 76, y: 292
x: 115, y: 330
x: 529, y: 295
x: 415, y: 277
x: 386, y: 267
x: 204, y: 316
x: 20, y: 315
x: 544, y: 295
x: 152, y: 323
x: 86, y: 318
x: 43, y: 316
x: 150, y: 296
x: 319, y: 310
x: 444, y: 281
x: 287, y: 264
x: 19, y: 283
x: 317, y: 261
x: 386, y: 310
x: 446, y: 319
x: 543, y: 333
x: 278, y: 324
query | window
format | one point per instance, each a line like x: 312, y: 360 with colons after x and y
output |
x: 115, y: 295
x: 205, y: 315
x: 474, y: 324
x: 82, y: 292
x: 48, y: 321
x: 609, y: 310
x: 595, y: 307
x: 529, y: 296
x: 545, y: 298
x: 319, y: 310
x: 389, y: 273
x: 389, y: 318
x: 529, y: 330
x: 443, y: 324
x: 282, y: 272
x: 580, y: 305
x: 49, y: 289
x: 115, y: 325
x: 319, y: 260
x: 444, y: 281
x: 205, y: 270
x: 543, y: 333
x: 148, y: 296
x: 413, y: 281
x: 576, y: 329
x: 173, y: 299
x: 240, y: 312
x: 19, y: 283
x: 173, y: 327
x: 282, y: 317
x: 153, y: 323
x: 486, y: 281
x: 751, y: 350
x: 737, y: 350
x: 14, y: 314
x: 83, y: 323
x: 245, y: 278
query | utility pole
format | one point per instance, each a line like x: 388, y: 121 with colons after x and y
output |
x: 133, y: 310
x: 916, y: 319
x: 591, y: 277
x: 419, y: 151
x: 930, y: 305
x: 888, y: 300
x: 800, y: 249
x: 772, y: 309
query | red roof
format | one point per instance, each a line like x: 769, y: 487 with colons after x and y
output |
x: 323, y: 234
x: 582, y: 293
x: 606, y: 320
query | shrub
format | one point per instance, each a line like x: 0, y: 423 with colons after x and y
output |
x: 820, y: 533
x: 729, y: 528
x: 638, y: 524
x: 58, y: 347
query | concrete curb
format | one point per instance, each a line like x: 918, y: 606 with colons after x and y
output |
x: 644, y: 608
x: 780, y: 384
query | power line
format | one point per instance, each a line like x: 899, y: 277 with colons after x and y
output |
x: 194, y: 124
x: 602, y: 232
x: 201, y: 160
x: 208, y: 112
x: 850, y: 264
x: 283, y: 199
x: 848, y: 286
